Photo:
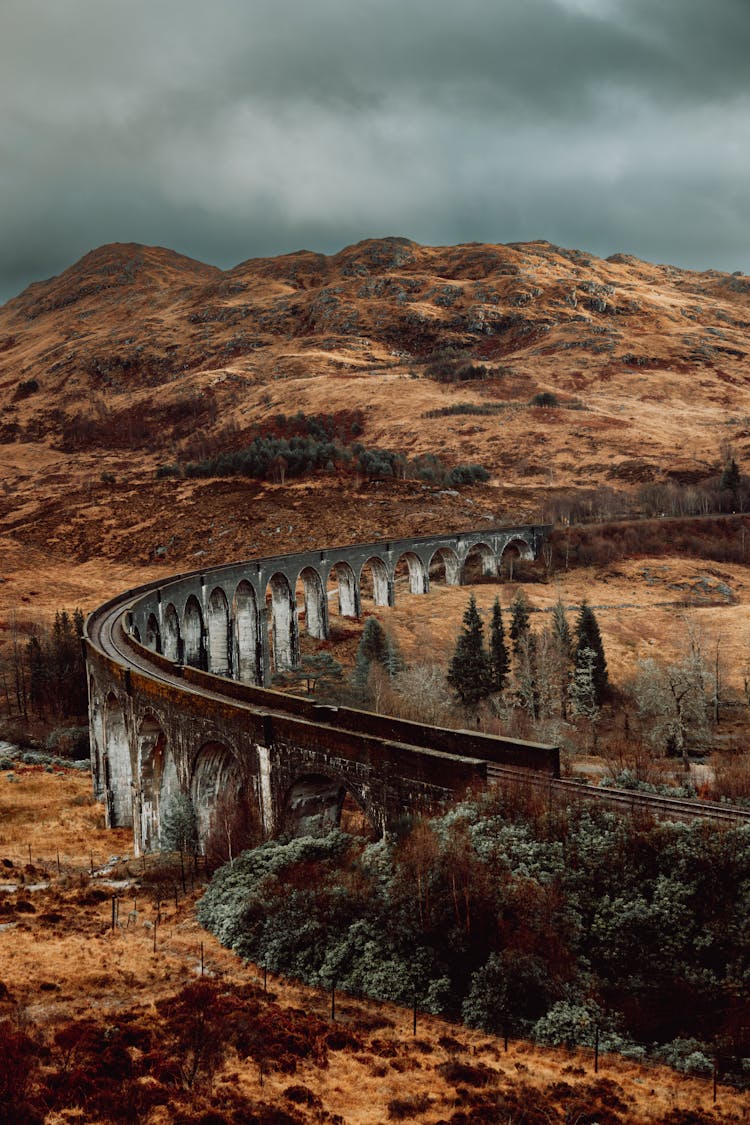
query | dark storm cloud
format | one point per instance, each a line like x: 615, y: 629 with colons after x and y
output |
x: 251, y: 127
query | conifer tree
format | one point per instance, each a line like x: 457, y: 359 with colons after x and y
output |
x: 499, y: 658
x: 375, y: 647
x: 561, y: 628
x: 583, y: 692
x: 519, y: 621
x: 588, y: 637
x: 562, y: 639
x: 731, y: 482
x: 179, y: 830
x: 470, y: 673
x: 56, y: 666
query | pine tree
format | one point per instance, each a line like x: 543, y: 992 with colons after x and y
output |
x: 179, y: 830
x: 373, y: 644
x: 375, y: 647
x: 562, y: 639
x: 499, y: 658
x: 519, y: 621
x: 561, y: 628
x: 589, y: 637
x: 470, y: 672
x: 56, y: 667
x: 583, y: 691
x: 394, y: 661
x: 38, y: 676
x: 731, y: 479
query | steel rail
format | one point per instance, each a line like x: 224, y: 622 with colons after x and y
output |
x: 624, y: 800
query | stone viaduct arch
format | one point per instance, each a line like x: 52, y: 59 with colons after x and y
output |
x: 178, y: 701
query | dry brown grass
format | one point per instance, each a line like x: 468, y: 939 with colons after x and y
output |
x: 63, y: 961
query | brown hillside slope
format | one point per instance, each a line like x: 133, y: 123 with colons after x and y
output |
x: 177, y: 344
x: 137, y: 356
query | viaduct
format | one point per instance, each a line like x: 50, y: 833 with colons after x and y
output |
x: 178, y: 675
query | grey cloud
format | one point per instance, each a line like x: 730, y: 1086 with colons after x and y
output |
x: 255, y: 127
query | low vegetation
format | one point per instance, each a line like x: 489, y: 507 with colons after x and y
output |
x: 559, y: 923
x: 118, y: 1025
x: 310, y: 444
x: 451, y: 365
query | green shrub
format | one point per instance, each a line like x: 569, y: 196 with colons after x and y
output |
x: 544, y: 399
x: 467, y: 474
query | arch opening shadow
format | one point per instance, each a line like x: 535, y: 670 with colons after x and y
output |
x: 410, y: 574
x: 342, y: 591
x: 158, y: 776
x: 227, y: 822
x: 512, y: 554
x: 153, y: 633
x: 219, y: 647
x: 480, y: 565
x: 194, y: 649
x: 311, y: 603
x: 172, y: 637
x: 316, y: 804
x: 445, y: 568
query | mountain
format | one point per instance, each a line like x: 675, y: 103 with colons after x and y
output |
x: 641, y: 348
x: 136, y: 357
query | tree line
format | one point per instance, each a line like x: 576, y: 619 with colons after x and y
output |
x: 551, y: 683
x: 299, y: 444
x: 556, y: 671
x: 45, y: 674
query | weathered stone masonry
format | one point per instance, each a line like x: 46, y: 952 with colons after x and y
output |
x: 178, y: 703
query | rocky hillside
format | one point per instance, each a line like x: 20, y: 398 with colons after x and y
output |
x: 556, y: 371
x: 137, y: 347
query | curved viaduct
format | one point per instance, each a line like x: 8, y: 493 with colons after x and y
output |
x: 179, y: 703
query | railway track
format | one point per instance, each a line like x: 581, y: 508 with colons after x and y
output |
x: 620, y: 800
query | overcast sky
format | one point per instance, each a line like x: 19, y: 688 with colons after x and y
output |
x: 238, y: 128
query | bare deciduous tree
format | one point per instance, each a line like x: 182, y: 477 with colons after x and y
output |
x: 671, y: 699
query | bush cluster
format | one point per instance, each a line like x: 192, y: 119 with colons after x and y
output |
x: 467, y: 408
x: 303, y: 444
x: 26, y: 387
x: 550, y: 923
x: 449, y: 365
x: 724, y: 540
x: 545, y: 399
